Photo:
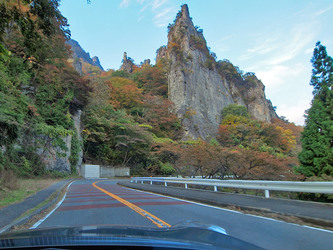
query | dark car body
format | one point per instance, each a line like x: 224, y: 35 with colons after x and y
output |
x: 124, y: 237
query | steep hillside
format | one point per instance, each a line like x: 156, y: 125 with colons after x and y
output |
x: 200, y: 87
x: 41, y: 95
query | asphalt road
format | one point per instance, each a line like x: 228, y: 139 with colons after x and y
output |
x: 101, y: 202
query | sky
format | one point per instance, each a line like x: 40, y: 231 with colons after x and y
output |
x: 273, y: 39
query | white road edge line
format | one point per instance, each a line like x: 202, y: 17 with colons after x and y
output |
x: 233, y: 211
x: 58, y: 205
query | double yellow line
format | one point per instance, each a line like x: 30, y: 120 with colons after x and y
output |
x: 157, y: 221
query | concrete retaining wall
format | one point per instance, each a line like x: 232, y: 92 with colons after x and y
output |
x: 90, y: 171
x: 96, y: 171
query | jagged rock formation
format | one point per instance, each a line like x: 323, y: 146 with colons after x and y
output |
x: 127, y: 63
x: 146, y: 62
x: 96, y: 62
x: 198, y: 85
x: 80, y: 56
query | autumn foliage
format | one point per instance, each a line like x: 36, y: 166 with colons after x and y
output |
x: 244, y: 148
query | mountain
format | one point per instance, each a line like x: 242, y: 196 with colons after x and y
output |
x: 81, y: 57
x: 200, y: 87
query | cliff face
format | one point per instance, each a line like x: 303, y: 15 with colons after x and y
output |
x: 198, y: 89
x: 250, y: 92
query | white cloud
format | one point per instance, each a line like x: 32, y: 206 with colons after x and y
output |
x: 158, y: 3
x: 287, y: 47
x: 124, y: 3
x: 277, y: 75
x: 295, y: 112
x: 140, y: 18
x: 221, y: 45
x: 161, y: 18
x: 323, y: 11
x: 264, y: 46
x: 274, y: 76
x: 308, y: 51
x: 162, y: 10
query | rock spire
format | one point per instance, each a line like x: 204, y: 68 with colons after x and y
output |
x: 127, y: 63
x: 197, y: 85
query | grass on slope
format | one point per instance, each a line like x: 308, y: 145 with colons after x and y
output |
x: 22, y: 189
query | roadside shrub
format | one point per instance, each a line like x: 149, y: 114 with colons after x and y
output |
x: 167, y: 169
x: 8, y: 180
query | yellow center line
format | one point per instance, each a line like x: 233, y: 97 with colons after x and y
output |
x: 157, y: 221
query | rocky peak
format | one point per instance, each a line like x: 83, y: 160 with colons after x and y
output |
x: 198, y: 90
x: 146, y: 62
x: 81, y: 56
x: 185, y: 13
x: 96, y: 62
x: 127, y: 63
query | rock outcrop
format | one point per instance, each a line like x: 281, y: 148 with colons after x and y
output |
x: 78, y: 127
x: 146, y: 62
x: 96, y: 62
x: 80, y: 56
x: 199, y: 88
x: 127, y: 63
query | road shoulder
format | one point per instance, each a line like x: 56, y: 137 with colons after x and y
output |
x: 15, y: 214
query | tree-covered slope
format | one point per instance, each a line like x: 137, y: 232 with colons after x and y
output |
x: 39, y: 89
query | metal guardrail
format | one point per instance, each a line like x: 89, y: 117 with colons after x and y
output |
x: 288, y: 186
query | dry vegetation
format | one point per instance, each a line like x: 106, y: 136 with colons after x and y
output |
x: 13, y: 189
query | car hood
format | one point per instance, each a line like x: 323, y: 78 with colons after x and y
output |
x: 189, y: 235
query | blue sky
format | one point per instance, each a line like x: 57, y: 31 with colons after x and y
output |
x: 274, y: 39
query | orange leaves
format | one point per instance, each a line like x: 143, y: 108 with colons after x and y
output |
x: 216, y: 161
x: 32, y: 110
x: 224, y: 135
x: 124, y: 93
x: 173, y: 45
x: 106, y: 74
x: 256, y: 135
x: 159, y: 116
x: 153, y: 79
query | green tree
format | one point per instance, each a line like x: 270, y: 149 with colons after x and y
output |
x: 236, y: 110
x: 316, y: 157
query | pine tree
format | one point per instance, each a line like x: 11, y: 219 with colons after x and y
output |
x: 316, y: 157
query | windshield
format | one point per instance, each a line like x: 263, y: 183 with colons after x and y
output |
x: 207, y: 118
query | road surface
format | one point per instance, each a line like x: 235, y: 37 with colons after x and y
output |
x: 101, y: 202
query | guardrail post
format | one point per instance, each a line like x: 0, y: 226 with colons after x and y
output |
x: 215, y: 188
x: 185, y: 185
x: 266, y: 193
x: 165, y: 184
x: 136, y: 181
x: 141, y: 182
x: 151, y: 182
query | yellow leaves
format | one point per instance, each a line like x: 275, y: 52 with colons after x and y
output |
x: 124, y: 93
x: 147, y: 126
x: 288, y: 138
x: 234, y: 120
x: 86, y: 131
